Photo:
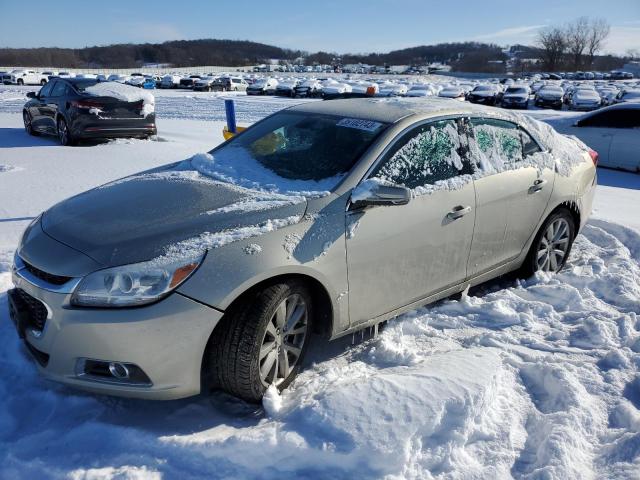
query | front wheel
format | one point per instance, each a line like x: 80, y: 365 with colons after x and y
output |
x: 262, y: 343
x: 551, y: 247
x: 20, y: 81
x: 43, y: 82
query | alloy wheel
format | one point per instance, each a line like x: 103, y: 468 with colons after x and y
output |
x: 553, y: 246
x: 27, y: 122
x: 283, y: 340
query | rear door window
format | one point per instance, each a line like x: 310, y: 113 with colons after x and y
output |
x: 495, y: 144
x: 430, y: 153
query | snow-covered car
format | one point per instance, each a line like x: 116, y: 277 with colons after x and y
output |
x: 170, y: 81
x: 421, y: 90
x: 189, y: 81
x: 484, y: 94
x: 549, y: 96
x: 24, y: 77
x: 263, y: 86
x: 629, y: 95
x: 608, y: 95
x: 214, y: 271
x: 308, y: 88
x: 516, y: 96
x: 452, y: 91
x: 116, y: 77
x: 82, y: 108
x: 614, y: 132
x: 390, y: 89
x: 585, y: 99
x: 332, y: 89
x: 286, y: 88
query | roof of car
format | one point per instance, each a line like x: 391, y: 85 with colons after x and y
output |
x: 386, y: 110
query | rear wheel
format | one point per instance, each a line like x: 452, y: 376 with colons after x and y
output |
x: 20, y: 81
x: 28, y: 125
x: 263, y: 343
x: 551, y: 247
x: 64, y: 135
x: 43, y: 82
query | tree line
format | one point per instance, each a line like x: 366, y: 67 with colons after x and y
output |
x: 573, y: 46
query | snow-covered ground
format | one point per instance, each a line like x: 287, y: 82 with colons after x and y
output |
x: 524, y: 379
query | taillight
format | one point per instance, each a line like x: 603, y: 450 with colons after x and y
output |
x: 86, y: 104
x: 594, y: 156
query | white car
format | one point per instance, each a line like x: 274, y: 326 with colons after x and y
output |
x: 452, y: 91
x: 585, y: 99
x: 117, y: 78
x: 24, y: 77
x: 333, y: 89
x: 632, y: 95
x: 613, y: 132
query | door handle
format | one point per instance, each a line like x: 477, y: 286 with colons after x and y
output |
x: 537, y: 185
x: 458, y: 212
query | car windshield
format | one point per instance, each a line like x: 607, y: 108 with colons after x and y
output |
x: 516, y: 90
x: 292, y: 152
x: 483, y: 88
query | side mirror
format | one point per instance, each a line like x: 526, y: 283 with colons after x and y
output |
x: 32, y: 95
x: 374, y: 193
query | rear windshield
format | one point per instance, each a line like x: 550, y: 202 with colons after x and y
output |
x: 82, y: 84
x: 291, y: 146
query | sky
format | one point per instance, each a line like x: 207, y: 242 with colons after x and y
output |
x: 356, y: 26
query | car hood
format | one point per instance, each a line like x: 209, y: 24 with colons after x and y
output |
x: 137, y: 218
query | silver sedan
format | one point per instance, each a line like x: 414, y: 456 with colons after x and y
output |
x: 328, y: 217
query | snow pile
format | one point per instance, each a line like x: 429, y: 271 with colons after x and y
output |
x: 125, y: 93
x: 523, y: 379
x: 236, y: 166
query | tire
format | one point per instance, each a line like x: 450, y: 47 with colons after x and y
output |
x: 248, y: 349
x: 28, y: 126
x: 43, y: 82
x: 64, y: 135
x: 20, y: 81
x: 551, y: 230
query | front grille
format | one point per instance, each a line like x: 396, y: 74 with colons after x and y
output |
x: 47, y: 277
x: 36, y: 311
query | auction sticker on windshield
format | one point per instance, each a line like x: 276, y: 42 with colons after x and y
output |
x: 366, y: 125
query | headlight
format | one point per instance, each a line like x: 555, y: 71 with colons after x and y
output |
x: 135, y: 284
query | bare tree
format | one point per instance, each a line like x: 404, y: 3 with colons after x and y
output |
x: 553, y: 43
x: 598, y: 32
x: 577, y: 34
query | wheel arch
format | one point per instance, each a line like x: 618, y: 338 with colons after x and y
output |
x: 322, y: 304
x: 573, y: 209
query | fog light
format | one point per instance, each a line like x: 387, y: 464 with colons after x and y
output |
x: 118, y: 370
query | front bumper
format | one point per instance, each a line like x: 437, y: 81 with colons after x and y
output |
x: 166, y: 340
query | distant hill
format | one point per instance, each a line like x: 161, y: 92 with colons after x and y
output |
x: 466, y: 56
x: 180, y: 53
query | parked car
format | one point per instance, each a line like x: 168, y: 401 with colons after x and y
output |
x: 204, y: 84
x: 614, y: 132
x: 332, y: 89
x: 485, y: 94
x: 75, y: 109
x: 549, y: 96
x: 628, y: 95
x: 117, y: 78
x: 516, y: 96
x: 308, y: 88
x: 170, y: 81
x: 585, y: 99
x: 188, y: 82
x: 24, y: 77
x: 452, y: 92
x: 185, y: 302
x: 238, y: 84
x: 263, y: 86
x: 286, y: 88
x: 149, y: 83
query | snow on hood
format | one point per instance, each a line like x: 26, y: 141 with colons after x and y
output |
x: 125, y: 93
